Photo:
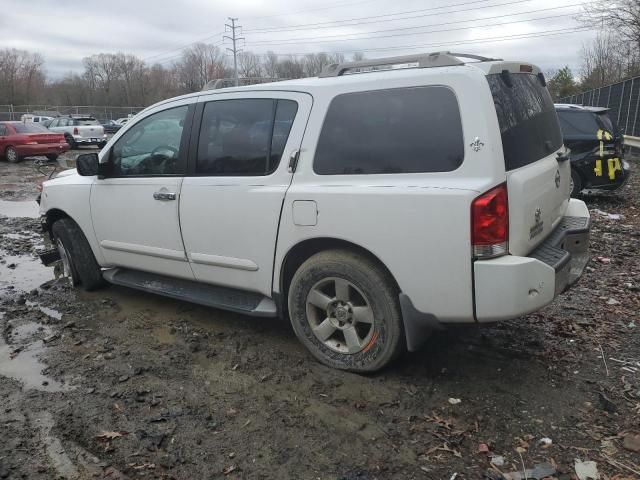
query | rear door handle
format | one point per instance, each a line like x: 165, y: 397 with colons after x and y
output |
x: 165, y: 196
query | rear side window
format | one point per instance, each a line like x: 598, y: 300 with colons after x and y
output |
x: 527, y: 118
x: 85, y: 121
x: 578, y: 124
x: 404, y: 130
x: 29, y: 128
x: 244, y: 137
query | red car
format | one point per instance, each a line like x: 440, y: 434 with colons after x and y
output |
x: 19, y: 140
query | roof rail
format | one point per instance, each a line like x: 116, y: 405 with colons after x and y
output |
x: 424, y: 60
x: 231, y: 82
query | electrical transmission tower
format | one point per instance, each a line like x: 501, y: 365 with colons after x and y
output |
x: 235, y: 50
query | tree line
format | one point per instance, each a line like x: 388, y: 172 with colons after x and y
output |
x: 126, y: 80
x: 122, y: 79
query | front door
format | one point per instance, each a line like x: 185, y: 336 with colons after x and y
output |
x: 238, y: 176
x: 135, y: 208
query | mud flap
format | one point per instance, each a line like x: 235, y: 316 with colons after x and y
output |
x: 418, y: 326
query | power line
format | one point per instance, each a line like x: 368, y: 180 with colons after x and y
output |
x: 457, y: 22
x: 358, y: 20
x: 234, y: 38
x: 326, y: 7
x: 183, y: 46
x: 520, y: 36
x: 443, y: 30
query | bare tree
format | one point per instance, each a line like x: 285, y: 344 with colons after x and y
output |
x: 621, y: 16
x: 249, y: 65
x: 270, y: 65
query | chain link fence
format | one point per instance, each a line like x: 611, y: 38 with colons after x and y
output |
x: 101, y: 113
x: 623, y: 99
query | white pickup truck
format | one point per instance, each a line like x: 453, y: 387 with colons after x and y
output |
x: 80, y: 130
x: 369, y: 205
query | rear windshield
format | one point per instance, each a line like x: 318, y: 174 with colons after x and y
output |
x: 527, y: 118
x: 85, y: 121
x: 583, y: 124
x: 29, y: 128
x: 403, y: 130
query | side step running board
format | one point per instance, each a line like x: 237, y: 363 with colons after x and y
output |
x: 239, y: 301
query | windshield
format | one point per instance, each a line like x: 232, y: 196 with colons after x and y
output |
x: 29, y: 128
x: 527, y: 118
x: 85, y: 121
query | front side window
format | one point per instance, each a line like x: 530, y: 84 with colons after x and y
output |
x: 243, y: 137
x: 152, y: 146
x: 404, y: 130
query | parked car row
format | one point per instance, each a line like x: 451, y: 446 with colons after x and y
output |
x: 19, y: 140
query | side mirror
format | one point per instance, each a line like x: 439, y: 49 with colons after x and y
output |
x: 87, y: 164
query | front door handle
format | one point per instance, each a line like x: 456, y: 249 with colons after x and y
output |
x: 165, y: 196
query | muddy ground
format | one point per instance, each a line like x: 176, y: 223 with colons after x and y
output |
x: 121, y: 384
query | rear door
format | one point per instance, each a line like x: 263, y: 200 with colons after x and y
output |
x: 538, y: 182
x: 238, y: 176
x: 4, y: 133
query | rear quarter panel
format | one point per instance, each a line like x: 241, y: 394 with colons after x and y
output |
x: 418, y: 225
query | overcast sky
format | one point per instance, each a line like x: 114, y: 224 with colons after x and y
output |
x: 65, y: 31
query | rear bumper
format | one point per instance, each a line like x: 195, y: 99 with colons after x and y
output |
x: 41, y: 149
x: 511, y: 286
x: 97, y: 140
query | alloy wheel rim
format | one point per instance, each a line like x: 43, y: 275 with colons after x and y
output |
x: 340, y: 315
x: 11, y: 155
x: 66, y: 263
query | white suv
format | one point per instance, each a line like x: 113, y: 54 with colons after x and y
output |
x: 370, y: 205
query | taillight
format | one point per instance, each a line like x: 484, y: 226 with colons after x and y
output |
x: 490, y: 223
x: 75, y: 130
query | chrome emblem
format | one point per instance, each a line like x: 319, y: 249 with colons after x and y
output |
x: 538, y: 225
x: 476, y: 145
x: 557, y: 178
x: 538, y: 214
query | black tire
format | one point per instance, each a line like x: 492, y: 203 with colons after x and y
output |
x: 71, y: 142
x: 385, y: 339
x: 11, y: 155
x: 53, y: 157
x: 102, y: 145
x: 84, y: 268
x: 576, y: 182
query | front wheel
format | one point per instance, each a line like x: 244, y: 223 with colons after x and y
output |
x: 344, y: 308
x: 78, y: 262
x: 11, y: 155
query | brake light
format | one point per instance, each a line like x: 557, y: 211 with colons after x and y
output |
x: 75, y: 130
x: 490, y: 223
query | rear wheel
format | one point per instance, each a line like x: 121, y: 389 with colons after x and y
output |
x: 70, y: 141
x: 11, y: 155
x: 576, y: 183
x: 344, y: 309
x: 53, y: 157
x: 102, y: 145
x: 78, y: 262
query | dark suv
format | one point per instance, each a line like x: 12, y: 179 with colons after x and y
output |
x: 597, y: 148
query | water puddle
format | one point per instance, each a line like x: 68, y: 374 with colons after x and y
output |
x: 29, y: 209
x: 23, y: 272
x: 61, y: 461
x: 49, y: 312
x: 25, y: 366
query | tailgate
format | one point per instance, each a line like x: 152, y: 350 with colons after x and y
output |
x: 90, y: 131
x: 538, y: 199
x: 537, y: 181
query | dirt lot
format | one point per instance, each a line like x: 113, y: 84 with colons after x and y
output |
x: 121, y: 384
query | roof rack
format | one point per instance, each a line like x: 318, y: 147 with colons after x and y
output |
x: 424, y: 60
x: 231, y: 82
